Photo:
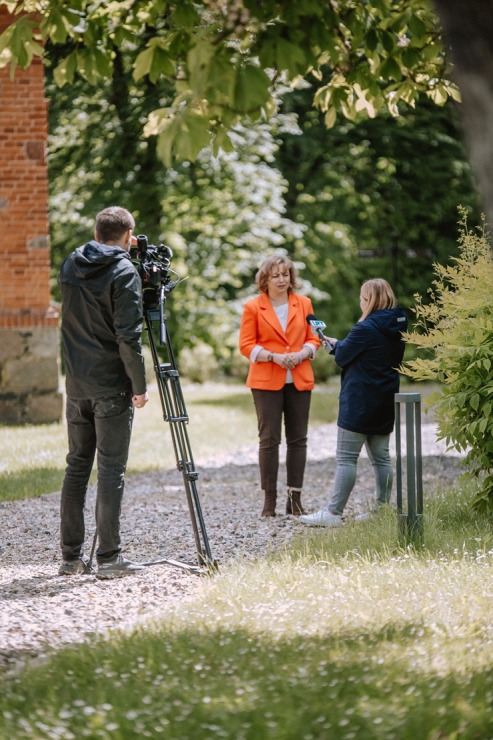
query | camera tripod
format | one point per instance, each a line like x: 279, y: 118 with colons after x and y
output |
x: 175, y: 413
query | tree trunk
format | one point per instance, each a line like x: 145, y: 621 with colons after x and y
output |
x: 468, y: 31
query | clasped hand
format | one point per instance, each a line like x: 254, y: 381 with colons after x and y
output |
x: 290, y: 360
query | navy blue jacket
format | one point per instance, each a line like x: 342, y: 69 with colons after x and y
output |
x: 369, y: 356
x: 102, y: 320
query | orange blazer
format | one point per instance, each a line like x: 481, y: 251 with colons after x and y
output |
x: 260, y: 327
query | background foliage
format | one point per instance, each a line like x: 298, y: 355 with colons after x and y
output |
x: 376, y: 197
x: 233, y: 128
x: 226, y: 59
x: 456, y: 330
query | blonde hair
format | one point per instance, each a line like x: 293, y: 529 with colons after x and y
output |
x: 378, y: 295
x: 268, y: 265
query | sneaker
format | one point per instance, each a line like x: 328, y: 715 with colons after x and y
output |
x: 116, y: 567
x: 365, y: 516
x: 322, y: 518
x: 77, y: 567
x: 371, y: 513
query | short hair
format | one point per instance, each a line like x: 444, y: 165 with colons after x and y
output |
x: 379, y: 295
x: 268, y: 265
x: 112, y: 223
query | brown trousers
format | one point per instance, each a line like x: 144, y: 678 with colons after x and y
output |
x: 271, y: 406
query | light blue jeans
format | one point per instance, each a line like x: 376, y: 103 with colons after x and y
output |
x: 349, y: 446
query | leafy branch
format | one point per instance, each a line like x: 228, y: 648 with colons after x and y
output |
x: 456, y: 328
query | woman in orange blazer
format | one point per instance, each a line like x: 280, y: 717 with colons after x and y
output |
x: 279, y: 343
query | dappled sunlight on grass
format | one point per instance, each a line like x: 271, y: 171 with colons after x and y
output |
x: 451, y: 529
x: 220, y: 420
x: 32, y: 460
x: 343, y: 634
x: 339, y: 599
x: 235, y: 683
x: 42, y: 446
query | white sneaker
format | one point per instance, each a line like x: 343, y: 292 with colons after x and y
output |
x: 365, y: 516
x: 322, y: 518
x: 371, y: 513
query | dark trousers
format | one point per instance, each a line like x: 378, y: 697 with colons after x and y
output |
x: 104, y: 426
x: 270, y: 407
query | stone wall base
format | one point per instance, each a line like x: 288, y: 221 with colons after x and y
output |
x: 29, y: 374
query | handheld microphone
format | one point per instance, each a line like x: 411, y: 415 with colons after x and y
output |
x: 317, y: 327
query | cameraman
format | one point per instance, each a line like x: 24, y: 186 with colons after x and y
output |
x: 105, y: 379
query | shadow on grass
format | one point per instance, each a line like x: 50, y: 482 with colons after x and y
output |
x: 232, y: 684
x: 29, y: 483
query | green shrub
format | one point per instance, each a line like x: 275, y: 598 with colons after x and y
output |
x: 455, y: 332
x: 324, y: 366
x: 198, y: 363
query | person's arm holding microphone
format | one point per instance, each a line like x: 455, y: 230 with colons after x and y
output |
x: 317, y: 326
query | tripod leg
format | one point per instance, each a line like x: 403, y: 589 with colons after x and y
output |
x: 91, y: 556
x: 177, y: 417
x: 175, y: 413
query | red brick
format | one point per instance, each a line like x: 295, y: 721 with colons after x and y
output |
x: 24, y: 271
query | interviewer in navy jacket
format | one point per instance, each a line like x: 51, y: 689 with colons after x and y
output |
x: 368, y: 356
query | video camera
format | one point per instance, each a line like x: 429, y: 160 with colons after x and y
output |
x: 153, y: 265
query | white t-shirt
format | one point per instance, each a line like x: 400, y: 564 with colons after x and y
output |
x: 282, y: 315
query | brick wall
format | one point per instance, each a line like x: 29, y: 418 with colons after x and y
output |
x: 28, y: 320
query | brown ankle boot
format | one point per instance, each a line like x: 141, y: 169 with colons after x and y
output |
x: 269, y: 503
x: 293, y: 504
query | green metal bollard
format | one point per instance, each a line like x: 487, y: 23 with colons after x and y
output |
x: 410, y: 519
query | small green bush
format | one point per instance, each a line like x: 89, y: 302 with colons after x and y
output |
x: 198, y: 363
x: 324, y: 366
x: 455, y: 332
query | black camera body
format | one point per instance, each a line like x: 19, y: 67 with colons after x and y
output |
x: 153, y: 265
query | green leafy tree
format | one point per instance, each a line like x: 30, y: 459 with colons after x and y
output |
x: 221, y: 219
x: 352, y: 190
x: 221, y: 216
x: 378, y: 197
x: 227, y: 58
x: 97, y: 154
x: 455, y: 329
x: 375, y: 197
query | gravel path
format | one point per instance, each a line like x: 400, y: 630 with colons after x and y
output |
x: 40, y: 610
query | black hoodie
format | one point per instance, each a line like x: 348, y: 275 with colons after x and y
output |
x: 101, y: 323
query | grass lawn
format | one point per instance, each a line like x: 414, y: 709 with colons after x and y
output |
x: 222, y: 417
x: 343, y: 635
x: 32, y: 458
